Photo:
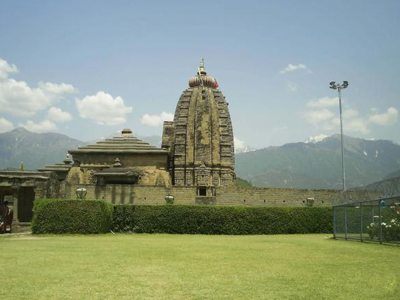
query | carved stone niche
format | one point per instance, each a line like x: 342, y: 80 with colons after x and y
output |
x: 216, y: 179
x: 180, y: 138
x: 179, y: 178
x: 179, y: 160
x: 189, y: 178
x: 202, y: 175
x: 180, y: 149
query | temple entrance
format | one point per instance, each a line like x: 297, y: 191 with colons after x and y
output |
x: 26, y: 196
x: 4, y: 192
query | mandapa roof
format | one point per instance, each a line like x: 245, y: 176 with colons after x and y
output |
x: 126, y: 143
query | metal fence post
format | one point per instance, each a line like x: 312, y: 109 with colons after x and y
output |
x: 373, y: 214
x: 380, y: 222
x: 334, y: 223
x: 361, y: 221
x: 345, y: 222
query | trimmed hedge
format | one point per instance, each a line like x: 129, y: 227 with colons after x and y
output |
x: 71, y: 216
x: 221, y: 220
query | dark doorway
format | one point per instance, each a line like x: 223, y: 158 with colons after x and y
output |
x: 26, y: 196
x: 4, y: 191
x: 202, y: 191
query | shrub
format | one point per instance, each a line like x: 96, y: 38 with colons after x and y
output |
x: 389, y: 226
x: 220, y: 220
x: 71, y: 216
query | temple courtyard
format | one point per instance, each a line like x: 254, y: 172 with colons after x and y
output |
x: 158, y: 266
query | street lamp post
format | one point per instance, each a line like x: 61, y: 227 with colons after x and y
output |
x: 340, y: 87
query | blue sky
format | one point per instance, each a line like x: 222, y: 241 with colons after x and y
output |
x: 90, y: 68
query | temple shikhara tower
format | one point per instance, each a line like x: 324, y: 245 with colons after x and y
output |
x: 200, y: 139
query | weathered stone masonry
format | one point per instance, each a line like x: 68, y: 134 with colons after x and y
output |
x: 230, y: 195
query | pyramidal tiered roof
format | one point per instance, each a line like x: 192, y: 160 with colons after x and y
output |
x: 126, y: 143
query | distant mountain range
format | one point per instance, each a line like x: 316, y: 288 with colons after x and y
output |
x: 315, y: 163
x: 35, y: 149
x: 395, y: 174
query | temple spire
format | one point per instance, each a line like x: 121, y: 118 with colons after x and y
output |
x: 201, y: 70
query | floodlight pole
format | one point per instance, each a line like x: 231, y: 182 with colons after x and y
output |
x: 339, y: 88
x: 341, y: 138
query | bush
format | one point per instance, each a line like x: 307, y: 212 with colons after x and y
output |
x: 71, y: 216
x: 389, y: 226
x: 220, y: 220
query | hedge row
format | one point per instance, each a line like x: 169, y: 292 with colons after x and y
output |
x: 220, y: 220
x: 97, y: 216
x: 71, y: 216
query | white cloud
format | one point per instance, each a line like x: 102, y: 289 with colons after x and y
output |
x: 239, y: 144
x: 57, y: 115
x: 316, y: 117
x: 57, y: 90
x: 5, y: 125
x: 356, y: 125
x: 103, y: 109
x: 385, y: 119
x: 323, y: 102
x: 6, y: 68
x: 321, y: 116
x: 44, y: 126
x: 292, y: 68
x: 327, y: 120
x: 17, y: 98
x: 156, y: 120
x: 292, y: 87
x: 374, y: 110
x: 350, y: 113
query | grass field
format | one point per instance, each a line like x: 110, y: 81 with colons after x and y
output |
x: 141, y: 266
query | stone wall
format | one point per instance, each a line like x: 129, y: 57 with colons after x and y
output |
x: 229, y: 195
x: 242, y: 196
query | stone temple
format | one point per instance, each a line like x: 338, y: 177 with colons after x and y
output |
x: 200, y: 139
x: 197, y: 148
x: 195, y: 165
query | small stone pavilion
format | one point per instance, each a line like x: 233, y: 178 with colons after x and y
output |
x: 121, y: 160
x: 195, y: 164
x: 20, y: 188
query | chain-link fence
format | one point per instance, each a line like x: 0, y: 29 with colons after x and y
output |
x: 373, y: 220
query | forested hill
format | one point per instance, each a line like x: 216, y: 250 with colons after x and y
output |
x: 318, y: 165
x: 35, y: 149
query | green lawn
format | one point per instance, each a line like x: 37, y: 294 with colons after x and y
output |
x: 142, y: 266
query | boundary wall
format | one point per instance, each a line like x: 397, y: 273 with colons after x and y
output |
x: 227, y: 195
